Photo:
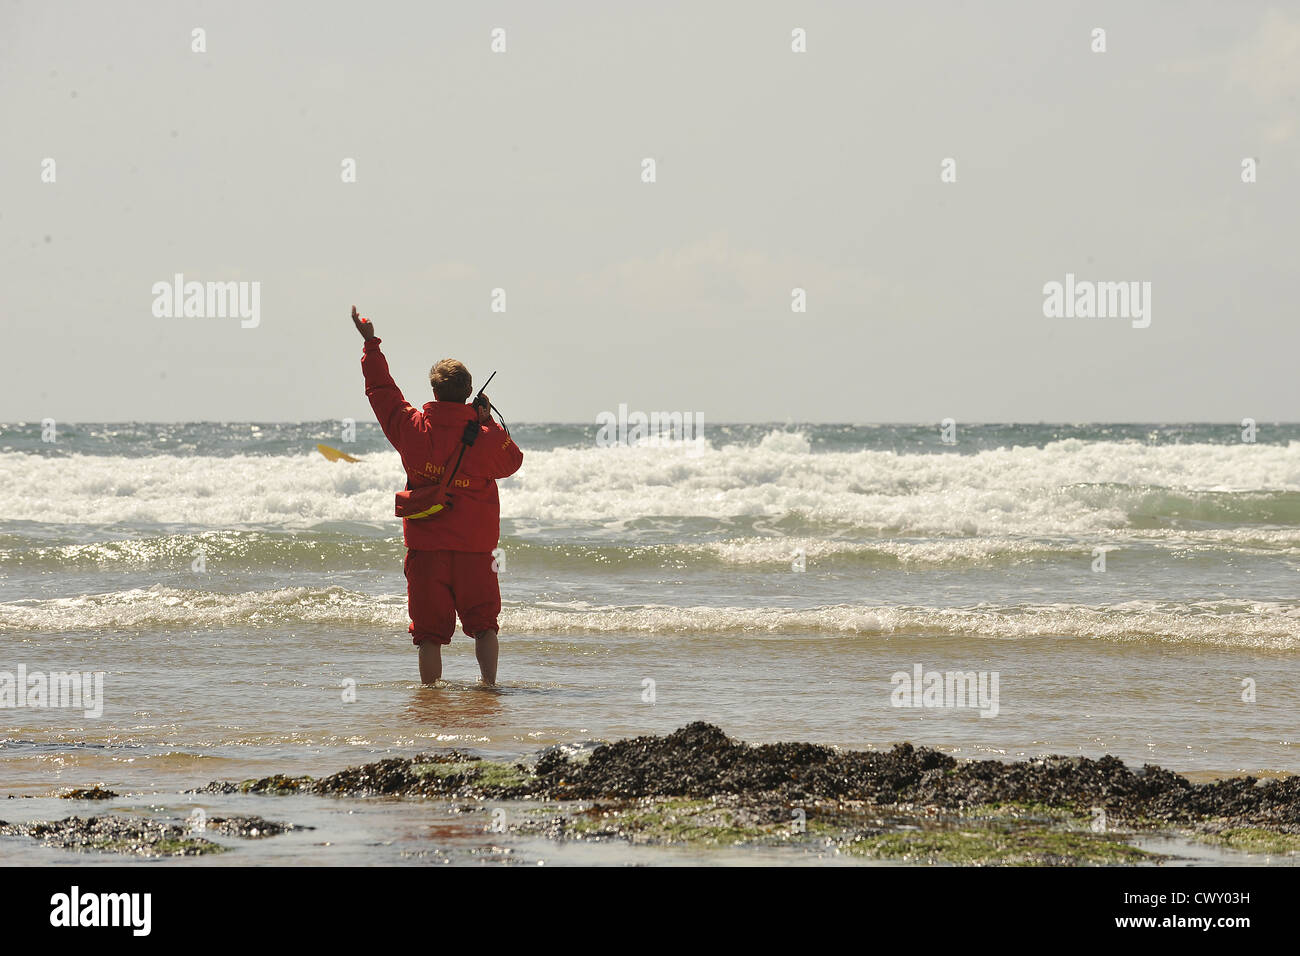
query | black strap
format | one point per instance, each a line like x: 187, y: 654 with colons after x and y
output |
x: 467, y: 438
x: 504, y: 427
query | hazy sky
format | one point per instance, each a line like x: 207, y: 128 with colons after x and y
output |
x: 523, y: 171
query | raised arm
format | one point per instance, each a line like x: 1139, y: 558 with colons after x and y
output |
x: 394, y: 413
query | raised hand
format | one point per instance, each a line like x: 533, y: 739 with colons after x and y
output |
x: 364, y: 326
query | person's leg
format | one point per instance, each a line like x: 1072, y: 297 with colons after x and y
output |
x: 431, y: 607
x: 478, y: 602
x: 430, y: 662
x: 485, y: 649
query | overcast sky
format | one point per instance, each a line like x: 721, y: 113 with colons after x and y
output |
x: 523, y: 171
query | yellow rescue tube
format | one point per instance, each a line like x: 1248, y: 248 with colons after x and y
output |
x: 333, y: 454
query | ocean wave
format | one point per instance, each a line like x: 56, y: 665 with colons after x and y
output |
x: 381, y: 549
x: 162, y: 607
x: 1237, y: 624
x: 1065, y: 488
x: 246, y: 550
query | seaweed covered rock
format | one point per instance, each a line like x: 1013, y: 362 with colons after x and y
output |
x: 701, y: 761
x: 88, y: 793
x: 133, y: 836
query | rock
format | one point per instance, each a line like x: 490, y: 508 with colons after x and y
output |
x: 93, y: 793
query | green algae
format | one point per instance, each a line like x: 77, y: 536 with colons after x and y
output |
x: 442, y: 770
x: 984, y: 846
x: 1025, y: 835
x: 192, y: 846
x: 672, y: 821
x: 500, y: 777
x: 486, y: 778
x: 1252, y: 840
x: 1019, y: 810
x: 276, y: 784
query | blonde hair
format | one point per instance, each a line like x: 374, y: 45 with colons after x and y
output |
x: 451, y: 381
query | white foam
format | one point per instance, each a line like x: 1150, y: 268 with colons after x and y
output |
x: 1237, y: 624
x: 1256, y: 625
x: 936, y: 552
x: 162, y: 607
x: 1069, y: 487
x: 982, y: 550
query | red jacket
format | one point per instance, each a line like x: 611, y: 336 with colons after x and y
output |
x: 427, y: 441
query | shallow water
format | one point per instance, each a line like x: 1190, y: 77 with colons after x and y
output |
x: 231, y: 711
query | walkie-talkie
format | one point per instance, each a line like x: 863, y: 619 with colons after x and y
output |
x: 471, y: 429
x: 479, y: 400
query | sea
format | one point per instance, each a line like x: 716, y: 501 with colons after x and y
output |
x: 997, y: 591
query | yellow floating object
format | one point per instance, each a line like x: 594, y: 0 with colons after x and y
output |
x: 333, y: 454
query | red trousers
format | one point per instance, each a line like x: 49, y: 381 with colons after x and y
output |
x: 443, y: 584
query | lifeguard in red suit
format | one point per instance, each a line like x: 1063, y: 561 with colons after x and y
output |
x: 449, y: 563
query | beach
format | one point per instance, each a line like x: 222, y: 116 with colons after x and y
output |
x: 849, y: 586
